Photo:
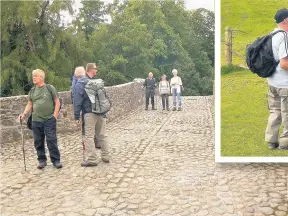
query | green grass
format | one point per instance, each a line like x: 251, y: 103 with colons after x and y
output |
x: 255, y: 17
x: 244, y: 115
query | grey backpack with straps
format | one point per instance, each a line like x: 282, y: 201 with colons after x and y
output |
x: 96, y: 92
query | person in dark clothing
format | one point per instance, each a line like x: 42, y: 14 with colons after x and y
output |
x: 150, y: 84
x: 79, y: 73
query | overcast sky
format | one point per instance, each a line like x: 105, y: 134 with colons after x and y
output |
x: 194, y: 4
x: 190, y: 5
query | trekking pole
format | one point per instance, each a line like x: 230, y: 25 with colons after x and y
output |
x: 23, y: 143
x: 83, y: 141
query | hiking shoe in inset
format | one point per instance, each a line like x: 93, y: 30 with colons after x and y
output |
x: 88, y: 164
x: 272, y: 146
x: 174, y: 109
x: 179, y: 108
x: 41, y: 164
x: 57, y: 165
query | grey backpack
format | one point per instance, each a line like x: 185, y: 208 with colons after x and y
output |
x: 95, y: 90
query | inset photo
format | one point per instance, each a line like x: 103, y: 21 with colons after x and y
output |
x: 254, y: 81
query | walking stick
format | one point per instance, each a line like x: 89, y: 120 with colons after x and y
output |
x: 23, y: 143
x: 83, y: 142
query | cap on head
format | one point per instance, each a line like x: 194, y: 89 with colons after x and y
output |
x: 281, y: 15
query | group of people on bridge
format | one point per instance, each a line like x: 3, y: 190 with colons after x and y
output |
x: 165, y: 88
x: 45, y: 104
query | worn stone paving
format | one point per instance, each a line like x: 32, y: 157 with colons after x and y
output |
x: 162, y: 164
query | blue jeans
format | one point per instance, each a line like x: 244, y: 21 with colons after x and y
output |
x: 178, y: 95
x: 40, y: 131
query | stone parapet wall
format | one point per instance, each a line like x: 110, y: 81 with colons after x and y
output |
x: 125, y: 98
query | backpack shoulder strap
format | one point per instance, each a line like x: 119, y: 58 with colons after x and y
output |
x: 285, y: 38
x: 50, y: 90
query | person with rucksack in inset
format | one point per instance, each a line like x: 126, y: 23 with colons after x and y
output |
x: 44, y: 100
x: 91, y: 98
x: 150, y: 85
x: 176, y: 88
x: 278, y: 86
x: 164, y: 90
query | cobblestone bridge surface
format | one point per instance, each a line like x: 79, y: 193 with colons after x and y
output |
x: 162, y: 164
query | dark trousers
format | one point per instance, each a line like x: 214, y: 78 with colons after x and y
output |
x: 165, y: 100
x: 150, y: 92
x: 40, y: 131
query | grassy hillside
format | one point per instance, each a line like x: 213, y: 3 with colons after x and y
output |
x: 244, y: 116
x: 255, y: 17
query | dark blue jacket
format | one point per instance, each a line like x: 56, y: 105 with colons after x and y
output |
x: 81, y: 100
x: 74, y: 80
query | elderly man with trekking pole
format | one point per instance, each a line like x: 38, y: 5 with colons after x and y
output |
x: 44, y: 102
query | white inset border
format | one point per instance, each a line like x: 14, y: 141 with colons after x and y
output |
x: 218, y: 157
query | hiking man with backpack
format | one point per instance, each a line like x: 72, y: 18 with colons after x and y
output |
x: 150, y: 84
x: 94, y: 105
x: 278, y: 86
x: 46, y: 105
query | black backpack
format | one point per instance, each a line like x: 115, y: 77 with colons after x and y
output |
x: 259, y: 55
x: 29, y: 120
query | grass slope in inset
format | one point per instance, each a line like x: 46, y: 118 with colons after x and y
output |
x: 255, y: 17
x: 244, y: 115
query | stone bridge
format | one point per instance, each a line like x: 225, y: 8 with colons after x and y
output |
x: 162, y: 164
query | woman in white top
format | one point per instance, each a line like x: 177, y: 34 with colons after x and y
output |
x: 164, y: 89
x: 176, y: 87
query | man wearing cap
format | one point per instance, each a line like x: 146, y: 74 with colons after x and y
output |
x: 278, y: 86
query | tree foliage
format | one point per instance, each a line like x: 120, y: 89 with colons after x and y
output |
x: 143, y: 36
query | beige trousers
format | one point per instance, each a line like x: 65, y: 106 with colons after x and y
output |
x: 95, y: 126
x: 278, y: 106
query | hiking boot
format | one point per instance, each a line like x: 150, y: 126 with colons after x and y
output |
x: 41, y: 164
x: 179, y: 108
x: 283, y: 147
x: 146, y: 108
x: 153, y: 108
x: 272, y: 146
x: 57, y: 165
x: 105, y: 160
x: 88, y: 164
x: 97, y: 146
x: 168, y: 109
x: 163, y: 109
x: 174, y: 109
